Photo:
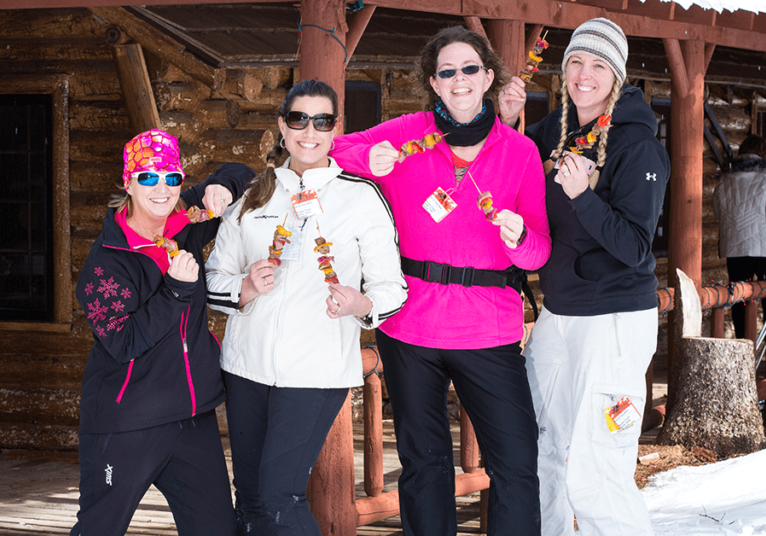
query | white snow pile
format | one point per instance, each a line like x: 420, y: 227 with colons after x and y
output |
x: 727, y: 497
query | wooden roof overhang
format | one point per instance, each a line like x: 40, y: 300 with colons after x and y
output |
x: 653, y: 18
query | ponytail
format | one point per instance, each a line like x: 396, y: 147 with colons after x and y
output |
x: 261, y: 188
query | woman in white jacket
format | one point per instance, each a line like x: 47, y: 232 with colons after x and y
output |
x: 291, y: 349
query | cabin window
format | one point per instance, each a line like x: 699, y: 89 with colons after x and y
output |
x: 35, y: 235
x: 362, y: 106
x: 26, y: 246
x: 536, y: 107
x: 661, y: 107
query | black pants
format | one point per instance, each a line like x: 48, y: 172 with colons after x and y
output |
x: 743, y: 269
x: 276, y: 436
x: 493, y: 388
x: 184, y: 460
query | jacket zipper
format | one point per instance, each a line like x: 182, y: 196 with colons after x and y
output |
x: 127, y: 379
x: 184, y: 324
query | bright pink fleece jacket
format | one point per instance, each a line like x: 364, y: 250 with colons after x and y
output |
x: 508, y: 165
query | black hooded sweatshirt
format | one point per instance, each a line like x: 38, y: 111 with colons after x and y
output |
x: 601, y: 259
x: 153, y: 360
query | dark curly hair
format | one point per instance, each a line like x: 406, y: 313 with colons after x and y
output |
x: 427, y: 60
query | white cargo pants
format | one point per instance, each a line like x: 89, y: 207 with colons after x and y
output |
x: 580, y: 369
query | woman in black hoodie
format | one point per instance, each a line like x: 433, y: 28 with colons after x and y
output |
x: 152, y: 381
x: 605, y: 180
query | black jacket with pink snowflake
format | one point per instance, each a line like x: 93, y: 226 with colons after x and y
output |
x: 154, y: 360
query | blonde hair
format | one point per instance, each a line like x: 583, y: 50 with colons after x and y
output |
x: 603, y: 137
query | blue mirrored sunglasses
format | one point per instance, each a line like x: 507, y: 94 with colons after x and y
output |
x: 467, y: 70
x: 151, y: 178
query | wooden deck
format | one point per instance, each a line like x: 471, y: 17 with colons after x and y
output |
x: 39, y: 497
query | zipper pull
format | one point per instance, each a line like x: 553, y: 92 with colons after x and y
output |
x: 186, y: 347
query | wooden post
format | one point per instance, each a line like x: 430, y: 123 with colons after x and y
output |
x: 136, y: 88
x: 331, y: 490
x: 751, y: 321
x: 373, y: 436
x: 469, y: 448
x: 716, y: 323
x: 687, y: 63
x: 507, y: 38
x: 323, y: 42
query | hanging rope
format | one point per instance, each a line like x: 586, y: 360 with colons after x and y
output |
x: 331, y: 32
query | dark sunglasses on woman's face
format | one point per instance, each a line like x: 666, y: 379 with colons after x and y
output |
x: 468, y: 70
x: 300, y: 120
x: 151, y: 178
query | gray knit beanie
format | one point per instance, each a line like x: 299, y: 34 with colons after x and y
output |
x: 603, y: 39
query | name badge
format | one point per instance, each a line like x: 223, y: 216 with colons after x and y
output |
x: 306, y: 204
x: 439, y: 204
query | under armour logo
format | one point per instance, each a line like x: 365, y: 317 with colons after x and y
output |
x: 109, y: 474
x: 651, y: 176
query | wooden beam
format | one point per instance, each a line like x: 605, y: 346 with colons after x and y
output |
x: 357, y: 23
x: 159, y: 44
x: 474, y: 24
x: 530, y: 40
x: 709, y: 49
x: 136, y: 88
x: 677, y: 67
x: 507, y: 38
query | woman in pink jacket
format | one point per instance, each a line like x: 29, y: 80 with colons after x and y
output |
x: 464, y: 318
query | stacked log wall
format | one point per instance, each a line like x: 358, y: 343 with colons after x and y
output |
x: 41, y: 371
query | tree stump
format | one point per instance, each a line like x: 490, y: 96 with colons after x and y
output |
x: 713, y: 402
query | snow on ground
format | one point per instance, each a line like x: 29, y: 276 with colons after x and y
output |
x: 727, y: 497
x: 756, y: 6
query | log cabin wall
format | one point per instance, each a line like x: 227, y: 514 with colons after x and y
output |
x: 41, y: 369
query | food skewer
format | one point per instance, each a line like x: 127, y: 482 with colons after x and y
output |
x: 533, y: 58
x: 484, y: 201
x: 429, y: 141
x: 280, y: 239
x: 169, y: 244
x: 325, y: 260
x: 196, y: 215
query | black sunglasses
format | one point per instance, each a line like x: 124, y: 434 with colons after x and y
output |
x: 300, y: 120
x: 468, y: 70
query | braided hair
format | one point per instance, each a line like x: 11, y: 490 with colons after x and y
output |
x: 262, y: 187
x: 603, y: 137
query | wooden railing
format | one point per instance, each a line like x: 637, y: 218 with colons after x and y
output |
x: 332, y: 495
x: 332, y: 489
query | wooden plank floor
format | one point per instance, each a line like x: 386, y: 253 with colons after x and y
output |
x: 39, y: 497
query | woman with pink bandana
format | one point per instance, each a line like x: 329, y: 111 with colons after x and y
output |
x: 152, y: 381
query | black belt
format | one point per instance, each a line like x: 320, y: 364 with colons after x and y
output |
x: 467, y: 276
x: 444, y: 274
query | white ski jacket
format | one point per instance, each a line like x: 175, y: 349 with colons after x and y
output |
x: 285, y: 338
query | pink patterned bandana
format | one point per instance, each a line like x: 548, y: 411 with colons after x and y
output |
x: 153, y: 150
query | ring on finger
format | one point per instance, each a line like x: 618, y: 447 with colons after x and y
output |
x: 337, y: 312
x: 565, y: 174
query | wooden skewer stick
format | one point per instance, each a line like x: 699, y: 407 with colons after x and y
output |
x: 474, y: 182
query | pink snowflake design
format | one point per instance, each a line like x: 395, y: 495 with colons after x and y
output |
x: 118, y: 306
x: 108, y: 288
x: 100, y: 331
x: 97, y: 311
x: 125, y: 293
x: 99, y: 271
x: 117, y: 323
x: 89, y: 289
